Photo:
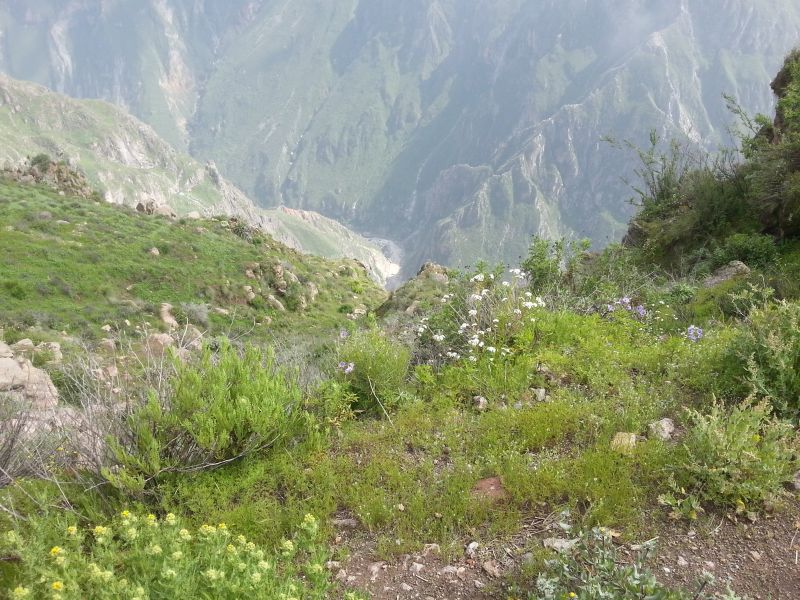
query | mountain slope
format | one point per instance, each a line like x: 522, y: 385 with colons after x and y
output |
x: 454, y: 127
x: 131, y: 164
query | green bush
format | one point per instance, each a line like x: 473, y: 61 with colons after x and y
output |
x: 216, y: 410
x: 138, y: 557
x: 732, y: 459
x: 753, y: 249
x: 766, y: 357
x: 375, y: 368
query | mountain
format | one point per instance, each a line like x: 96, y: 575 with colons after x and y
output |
x: 132, y: 165
x: 454, y: 128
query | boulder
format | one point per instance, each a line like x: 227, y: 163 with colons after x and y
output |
x: 730, y: 271
x: 194, y: 215
x: 5, y: 350
x: 19, y: 377
x: 662, y: 429
x: 25, y: 346
x: 154, y: 251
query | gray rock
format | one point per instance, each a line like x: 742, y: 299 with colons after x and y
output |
x: 480, y: 403
x: 733, y: 269
x: 559, y: 544
x: 662, y: 429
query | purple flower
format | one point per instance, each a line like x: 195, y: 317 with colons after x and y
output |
x: 641, y: 311
x: 610, y: 307
x: 694, y: 333
x: 343, y: 334
x: 346, y: 368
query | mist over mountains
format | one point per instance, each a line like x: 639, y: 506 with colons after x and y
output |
x: 455, y: 128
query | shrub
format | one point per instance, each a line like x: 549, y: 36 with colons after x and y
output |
x: 196, y: 313
x: 15, y: 289
x: 144, y: 557
x: 42, y: 162
x: 733, y: 459
x: 214, y: 411
x: 766, y: 356
x: 590, y: 570
x: 753, y: 249
x: 375, y: 368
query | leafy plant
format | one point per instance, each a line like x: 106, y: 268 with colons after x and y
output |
x: 735, y: 459
x: 216, y: 410
x: 375, y: 368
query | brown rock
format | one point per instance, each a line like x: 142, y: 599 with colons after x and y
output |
x: 490, y: 488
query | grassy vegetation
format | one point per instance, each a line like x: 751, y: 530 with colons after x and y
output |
x: 75, y: 265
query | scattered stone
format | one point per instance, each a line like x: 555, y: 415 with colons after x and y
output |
x: 20, y: 378
x: 490, y: 488
x: 313, y: 291
x: 559, y: 544
x: 471, y: 549
x: 222, y: 311
x: 733, y: 269
x: 540, y: 394
x: 480, y: 403
x: 624, y: 442
x: 662, y: 429
x: 416, y: 567
x: 341, y: 576
x: 275, y: 303
x: 157, y: 343
x: 405, y: 587
x: 401, y: 507
x: 755, y: 554
x: 479, y: 584
x: 333, y: 565
x: 106, y: 328
x: 54, y: 349
x: 165, y: 312
x: 491, y: 568
x: 346, y: 523
x: 429, y: 549
x: 249, y: 274
x: 194, y: 215
x: 5, y: 350
x: 375, y: 569
x: 154, y: 251
x: 45, y: 215
x: 108, y: 344
x: 682, y: 562
x: 62, y: 222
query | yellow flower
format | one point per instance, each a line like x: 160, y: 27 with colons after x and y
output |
x: 170, y: 519
x: 206, y: 530
x: 573, y: 595
x: 55, y: 550
x: 152, y: 521
x: 131, y: 533
x: 72, y: 530
x: 309, y: 519
x: 241, y: 539
x: 250, y: 547
x: 125, y: 514
x: 255, y: 577
x: 107, y: 575
x: 60, y: 560
x: 222, y: 526
x: 177, y: 555
x: 20, y: 592
x: 264, y: 565
x: 154, y: 550
x: 214, y: 574
x: 170, y: 573
x: 101, y: 531
x: 57, y: 586
x: 185, y: 535
x: 316, y: 568
x: 288, y: 546
x: 241, y: 566
x: 231, y: 549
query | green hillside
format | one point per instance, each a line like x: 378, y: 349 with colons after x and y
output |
x: 75, y: 265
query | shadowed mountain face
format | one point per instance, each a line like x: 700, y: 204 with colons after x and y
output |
x: 456, y: 128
